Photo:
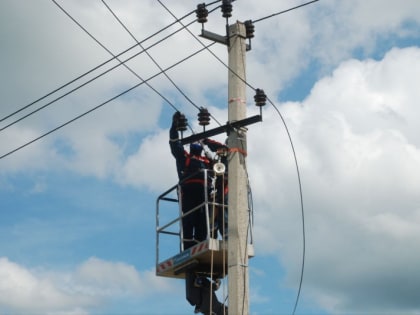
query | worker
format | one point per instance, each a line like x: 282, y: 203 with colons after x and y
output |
x: 190, y: 167
x: 194, y: 226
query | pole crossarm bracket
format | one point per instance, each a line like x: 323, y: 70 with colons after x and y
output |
x: 225, y: 128
x: 218, y: 38
x: 214, y: 37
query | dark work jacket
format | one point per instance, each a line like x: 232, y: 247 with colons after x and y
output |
x: 187, y: 165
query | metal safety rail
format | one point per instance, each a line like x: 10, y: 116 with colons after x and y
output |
x: 207, y: 257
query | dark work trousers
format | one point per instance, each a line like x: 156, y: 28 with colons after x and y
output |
x: 194, y: 225
x: 200, y: 296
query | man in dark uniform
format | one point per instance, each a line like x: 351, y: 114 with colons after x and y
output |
x: 190, y: 168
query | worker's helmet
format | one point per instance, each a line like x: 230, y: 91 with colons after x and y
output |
x: 196, y: 148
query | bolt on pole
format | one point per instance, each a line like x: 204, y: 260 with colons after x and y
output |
x: 238, y: 220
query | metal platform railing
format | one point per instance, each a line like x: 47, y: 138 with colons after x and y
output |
x: 171, y: 258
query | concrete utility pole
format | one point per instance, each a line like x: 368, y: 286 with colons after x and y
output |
x: 238, y: 220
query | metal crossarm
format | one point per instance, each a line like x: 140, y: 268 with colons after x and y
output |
x: 222, y: 129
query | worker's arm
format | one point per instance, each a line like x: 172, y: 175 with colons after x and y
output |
x: 177, y: 149
x: 214, y: 145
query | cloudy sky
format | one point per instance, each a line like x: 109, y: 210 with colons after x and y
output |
x: 77, y: 215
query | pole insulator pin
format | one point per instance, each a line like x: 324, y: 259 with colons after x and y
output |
x: 182, y: 123
x: 227, y: 8
x: 202, y: 13
x: 203, y: 117
x: 260, y: 98
x: 249, y: 28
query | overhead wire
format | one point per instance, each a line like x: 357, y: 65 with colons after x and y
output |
x: 121, y: 62
x: 116, y: 57
x: 189, y: 31
x: 89, y: 81
x: 93, y: 69
x: 150, y: 56
x: 102, y: 104
x: 284, y: 11
x: 296, y: 166
x: 193, y: 35
x: 301, y: 205
x: 94, y: 78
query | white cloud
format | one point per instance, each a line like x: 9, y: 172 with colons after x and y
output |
x: 94, y: 283
x: 103, y: 278
x: 23, y: 291
x: 152, y: 166
x: 360, y: 169
x: 341, y: 27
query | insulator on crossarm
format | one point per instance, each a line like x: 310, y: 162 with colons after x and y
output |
x: 203, y: 117
x: 182, y: 123
x: 227, y: 8
x: 260, y: 99
x: 249, y: 28
x: 202, y: 13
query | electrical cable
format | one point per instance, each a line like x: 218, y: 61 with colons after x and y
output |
x: 186, y: 27
x: 93, y: 69
x: 300, y: 193
x: 214, y: 55
x: 281, y: 12
x: 212, y: 232
x: 102, y: 104
x: 249, y: 227
x: 301, y: 204
x: 299, y: 185
x: 121, y: 62
x: 116, y: 57
x: 150, y: 56
x: 92, y: 79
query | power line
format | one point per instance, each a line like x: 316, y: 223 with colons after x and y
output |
x: 102, y: 104
x: 93, y: 69
x: 149, y: 55
x: 281, y: 12
x: 301, y: 204
x: 209, y: 50
x: 186, y: 27
x: 116, y: 57
x: 92, y: 79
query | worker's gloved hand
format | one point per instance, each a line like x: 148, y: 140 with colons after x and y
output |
x: 175, y: 117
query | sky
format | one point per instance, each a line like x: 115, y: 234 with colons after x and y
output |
x: 77, y: 215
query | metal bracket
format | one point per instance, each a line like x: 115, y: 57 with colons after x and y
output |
x: 219, y: 38
x: 225, y: 128
x: 214, y: 37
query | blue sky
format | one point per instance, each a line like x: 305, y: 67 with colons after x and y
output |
x: 77, y: 215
